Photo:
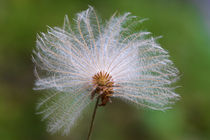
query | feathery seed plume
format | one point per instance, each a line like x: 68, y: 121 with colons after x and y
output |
x: 78, y: 64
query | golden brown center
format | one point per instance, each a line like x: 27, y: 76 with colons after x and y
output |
x: 103, y: 86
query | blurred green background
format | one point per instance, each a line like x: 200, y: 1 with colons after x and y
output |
x: 184, y: 27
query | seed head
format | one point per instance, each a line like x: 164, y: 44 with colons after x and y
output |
x: 77, y: 64
x: 103, y: 85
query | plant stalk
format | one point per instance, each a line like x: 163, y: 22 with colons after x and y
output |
x: 93, y: 117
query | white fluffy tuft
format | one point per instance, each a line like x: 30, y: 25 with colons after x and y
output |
x: 68, y: 57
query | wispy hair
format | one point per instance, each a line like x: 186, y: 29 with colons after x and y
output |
x: 67, y: 58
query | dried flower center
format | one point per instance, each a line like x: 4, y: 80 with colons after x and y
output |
x: 103, y: 86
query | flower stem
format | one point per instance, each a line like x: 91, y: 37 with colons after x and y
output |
x: 93, y: 117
